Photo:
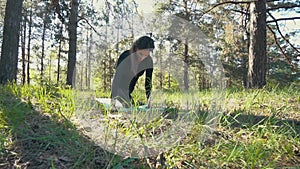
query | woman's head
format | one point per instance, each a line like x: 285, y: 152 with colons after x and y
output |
x: 143, y: 42
x: 142, y: 47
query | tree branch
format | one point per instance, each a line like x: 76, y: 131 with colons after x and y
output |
x: 241, y: 12
x: 91, y: 26
x: 283, y: 19
x: 278, y: 29
x: 288, y: 58
x: 272, y: 0
x: 57, y: 7
x: 284, y: 6
x: 228, y: 2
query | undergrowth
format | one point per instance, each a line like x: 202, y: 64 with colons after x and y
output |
x: 259, y: 128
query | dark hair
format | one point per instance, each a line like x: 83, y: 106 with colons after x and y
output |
x: 143, y: 42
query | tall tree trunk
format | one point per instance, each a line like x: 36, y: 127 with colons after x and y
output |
x: 58, y: 63
x: 72, y: 43
x: 10, y: 44
x: 50, y: 68
x: 257, y: 47
x: 23, y: 49
x: 104, y: 57
x: 28, y: 46
x: 245, y: 60
x: 186, y: 51
x: 110, y: 70
x: 43, y: 49
x: 88, y: 59
x: 59, y: 55
x: 161, y: 73
x: 186, y: 68
x: 104, y: 72
x: 81, y: 75
x: 169, y: 80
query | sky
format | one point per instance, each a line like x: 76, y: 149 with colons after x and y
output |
x: 146, y: 6
x: 290, y: 25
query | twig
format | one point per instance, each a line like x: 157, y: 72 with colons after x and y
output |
x: 278, y: 29
x: 282, y: 51
x: 282, y: 19
x: 91, y: 26
x: 227, y: 2
x: 241, y: 12
x: 288, y: 6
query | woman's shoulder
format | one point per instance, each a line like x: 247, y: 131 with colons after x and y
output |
x: 123, y: 56
x: 125, y: 53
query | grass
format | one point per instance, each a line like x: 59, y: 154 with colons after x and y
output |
x: 36, y: 131
x: 258, y: 129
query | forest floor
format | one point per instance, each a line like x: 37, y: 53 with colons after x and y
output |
x: 259, y: 129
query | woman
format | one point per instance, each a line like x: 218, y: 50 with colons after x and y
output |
x: 131, y: 65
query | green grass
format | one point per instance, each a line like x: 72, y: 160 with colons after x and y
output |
x: 258, y: 129
x: 36, y: 131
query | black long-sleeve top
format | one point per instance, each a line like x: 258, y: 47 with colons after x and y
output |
x: 128, y: 71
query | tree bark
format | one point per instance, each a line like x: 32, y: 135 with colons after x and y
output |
x: 257, y: 47
x: 186, y: 68
x: 43, y: 48
x: 72, y: 43
x: 104, y: 72
x: 29, y: 46
x: 23, y: 53
x: 10, y: 44
x: 88, y: 58
x: 110, y: 71
x: 59, y: 55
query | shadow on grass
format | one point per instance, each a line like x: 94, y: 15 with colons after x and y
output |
x: 33, y: 139
x: 241, y: 119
